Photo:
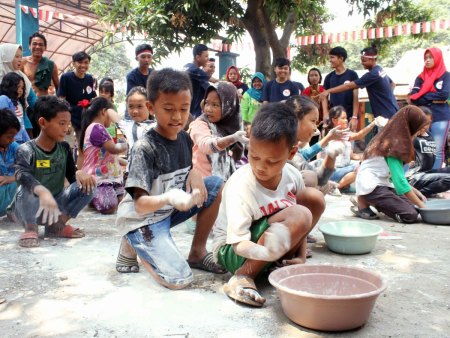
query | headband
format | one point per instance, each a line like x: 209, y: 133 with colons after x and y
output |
x: 145, y: 51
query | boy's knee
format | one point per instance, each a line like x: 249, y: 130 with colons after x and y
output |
x: 408, y: 217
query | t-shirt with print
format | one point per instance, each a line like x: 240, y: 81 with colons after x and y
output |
x: 345, y: 98
x: 7, y: 160
x: 156, y: 165
x: 245, y: 200
x: 74, y: 90
x: 35, y: 166
x: 425, y: 148
x: 97, y: 161
x: 274, y: 91
x: 381, y: 97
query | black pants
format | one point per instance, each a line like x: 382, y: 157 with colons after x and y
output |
x: 432, y: 182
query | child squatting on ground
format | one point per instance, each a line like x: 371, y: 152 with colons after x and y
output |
x: 42, y: 165
x: 162, y: 190
x: 261, y: 220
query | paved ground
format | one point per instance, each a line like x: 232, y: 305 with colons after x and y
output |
x: 69, y: 288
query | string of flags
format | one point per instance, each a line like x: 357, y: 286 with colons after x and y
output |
x: 48, y: 15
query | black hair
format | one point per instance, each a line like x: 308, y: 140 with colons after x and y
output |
x: 334, y: 113
x: 8, y: 87
x: 48, y: 106
x: 80, y: 56
x: 8, y: 121
x: 301, y: 105
x: 167, y: 80
x: 339, y: 52
x: 318, y: 71
x: 106, y: 85
x: 370, y: 51
x: 137, y: 90
x: 281, y: 62
x: 91, y: 112
x: 140, y: 48
x: 199, y: 49
x: 212, y: 60
x: 37, y: 35
x: 273, y: 122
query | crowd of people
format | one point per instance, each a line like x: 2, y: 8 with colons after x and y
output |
x: 228, y: 158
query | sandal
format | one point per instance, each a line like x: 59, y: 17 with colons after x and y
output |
x: 365, y: 213
x: 29, y: 239
x: 208, y: 264
x: 66, y: 231
x: 126, y: 264
x: 242, y: 289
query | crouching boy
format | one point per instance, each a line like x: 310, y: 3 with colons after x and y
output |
x: 260, y: 217
x: 163, y: 190
x: 42, y: 165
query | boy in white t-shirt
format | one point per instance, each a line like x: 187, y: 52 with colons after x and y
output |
x: 260, y: 217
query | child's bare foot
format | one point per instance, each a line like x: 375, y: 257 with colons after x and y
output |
x: 293, y: 261
x: 242, y: 289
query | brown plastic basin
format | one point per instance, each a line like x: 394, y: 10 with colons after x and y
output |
x: 327, y: 297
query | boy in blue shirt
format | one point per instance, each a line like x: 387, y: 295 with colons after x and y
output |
x: 164, y: 190
x: 281, y: 88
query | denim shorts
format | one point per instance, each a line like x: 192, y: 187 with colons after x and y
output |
x: 154, y: 243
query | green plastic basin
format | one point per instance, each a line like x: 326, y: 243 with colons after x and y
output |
x: 350, y: 238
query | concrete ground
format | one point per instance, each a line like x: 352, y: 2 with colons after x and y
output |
x: 69, y: 288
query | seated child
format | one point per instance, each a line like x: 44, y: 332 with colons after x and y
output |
x: 9, y: 127
x: 163, y: 190
x: 141, y: 120
x: 100, y: 155
x: 260, y: 218
x: 381, y: 181
x: 42, y: 165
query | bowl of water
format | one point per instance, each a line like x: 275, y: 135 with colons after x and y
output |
x: 351, y: 237
x: 327, y: 297
x: 436, y: 212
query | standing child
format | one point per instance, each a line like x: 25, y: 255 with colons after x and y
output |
x: 233, y: 76
x: 260, y: 218
x: 217, y: 132
x: 12, y: 97
x: 163, y: 190
x: 42, y: 165
x: 315, y: 88
x: 106, y: 90
x: 100, y: 155
x: 9, y: 127
x: 381, y: 181
x: 252, y: 98
x: 281, y: 88
x: 141, y: 120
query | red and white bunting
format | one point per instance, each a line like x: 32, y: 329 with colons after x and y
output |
x: 48, y: 15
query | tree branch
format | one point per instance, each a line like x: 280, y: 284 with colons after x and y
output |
x: 288, y: 29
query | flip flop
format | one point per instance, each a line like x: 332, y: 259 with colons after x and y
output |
x: 29, y: 235
x: 365, y: 213
x: 67, y: 231
x: 208, y: 264
x: 235, y: 290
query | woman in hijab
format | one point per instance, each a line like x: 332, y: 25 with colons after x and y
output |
x: 10, y: 61
x: 381, y: 180
x: 233, y: 76
x: 251, y: 100
x: 432, y: 89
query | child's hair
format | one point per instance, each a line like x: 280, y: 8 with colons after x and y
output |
x: 370, y: 51
x: 301, y: 105
x: 199, y: 49
x: 9, y: 85
x: 48, y: 106
x: 37, y: 35
x: 318, y: 71
x: 281, y: 62
x: 8, y: 121
x: 90, y: 113
x: 143, y: 47
x: 273, y: 122
x: 80, y: 56
x: 334, y: 113
x: 137, y: 90
x: 339, y: 52
x: 211, y: 60
x: 106, y: 85
x: 167, y: 80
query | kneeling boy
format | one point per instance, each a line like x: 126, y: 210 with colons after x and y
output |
x: 260, y: 218
x: 42, y: 165
x: 163, y: 190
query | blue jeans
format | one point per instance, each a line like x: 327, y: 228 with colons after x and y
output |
x: 7, y: 193
x: 70, y: 200
x: 439, y: 130
x: 154, y: 243
x: 339, y: 173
